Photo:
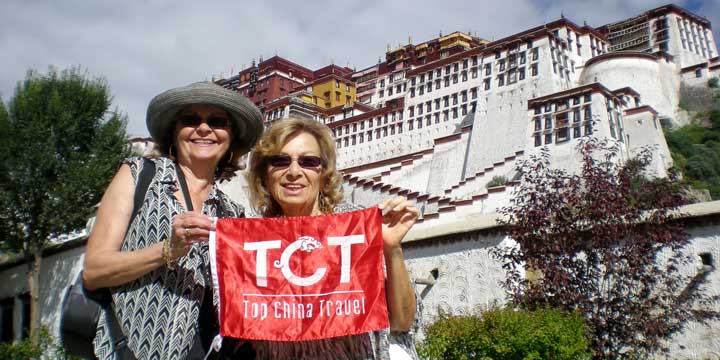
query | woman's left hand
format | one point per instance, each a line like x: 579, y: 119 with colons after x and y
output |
x: 400, y: 216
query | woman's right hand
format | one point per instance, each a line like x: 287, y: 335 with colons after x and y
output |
x: 188, y: 228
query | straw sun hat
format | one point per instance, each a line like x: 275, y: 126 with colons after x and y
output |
x: 245, y: 117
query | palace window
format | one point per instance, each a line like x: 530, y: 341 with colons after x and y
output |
x: 512, y: 77
x: 562, y: 132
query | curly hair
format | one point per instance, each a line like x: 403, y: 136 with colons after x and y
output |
x: 270, y: 144
x: 228, y: 166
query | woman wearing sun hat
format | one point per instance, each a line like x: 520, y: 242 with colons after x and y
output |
x: 157, y: 265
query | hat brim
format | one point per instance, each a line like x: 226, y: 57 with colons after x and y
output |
x: 246, y: 119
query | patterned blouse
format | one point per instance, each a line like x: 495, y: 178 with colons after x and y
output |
x: 159, y: 311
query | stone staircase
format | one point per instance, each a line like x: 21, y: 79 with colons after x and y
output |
x: 475, y: 184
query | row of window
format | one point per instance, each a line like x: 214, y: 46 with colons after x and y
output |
x: 435, y: 117
x: 564, y: 104
x: 360, y: 125
x: 557, y: 127
x: 511, y: 76
x: 412, y: 124
x: 368, y: 135
x: 446, y: 100
x: 695, y: 38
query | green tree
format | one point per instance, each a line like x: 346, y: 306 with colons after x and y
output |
x: 60, y: 147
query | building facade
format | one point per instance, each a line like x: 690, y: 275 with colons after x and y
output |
x: 438, y: 120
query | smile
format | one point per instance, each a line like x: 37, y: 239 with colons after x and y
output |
x: 203, y: 142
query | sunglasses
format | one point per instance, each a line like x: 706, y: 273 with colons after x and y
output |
x: 213, y: 121
x: 305, y: 161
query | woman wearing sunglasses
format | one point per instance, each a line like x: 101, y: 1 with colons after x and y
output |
x: 156, y: 261
x: 292, y: 173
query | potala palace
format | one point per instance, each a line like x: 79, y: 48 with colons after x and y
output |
x: 438, y: 120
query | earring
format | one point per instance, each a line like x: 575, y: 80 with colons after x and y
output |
x: 170, y: 153
x: 231, y: 157
x: 321, y: 201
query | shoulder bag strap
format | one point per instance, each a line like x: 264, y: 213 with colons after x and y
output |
x: 183, y: 185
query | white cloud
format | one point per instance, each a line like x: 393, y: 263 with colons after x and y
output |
x: 145, y: 47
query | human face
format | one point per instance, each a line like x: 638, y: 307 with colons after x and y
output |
x: 198, y: 142
x: 296, y: 188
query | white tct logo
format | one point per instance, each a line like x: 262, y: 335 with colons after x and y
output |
x: 306, y: 244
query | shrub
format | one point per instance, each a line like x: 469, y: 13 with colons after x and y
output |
x: 45, y: 347
x: 498, y: 180
x: 714, y: 82
x: 508, y: 334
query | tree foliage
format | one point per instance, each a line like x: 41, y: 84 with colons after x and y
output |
x: 604, y: 242
x: 60, y: 147
x: 696, y: 153
x: 508, y: 334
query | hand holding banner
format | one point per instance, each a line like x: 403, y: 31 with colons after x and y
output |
x: 300, y: 278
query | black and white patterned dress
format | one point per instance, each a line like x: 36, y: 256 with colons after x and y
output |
x: 159, y: 311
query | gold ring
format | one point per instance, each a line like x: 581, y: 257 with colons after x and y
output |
x: 187, y: 232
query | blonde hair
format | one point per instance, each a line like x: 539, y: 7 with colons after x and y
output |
x: 271, y: 142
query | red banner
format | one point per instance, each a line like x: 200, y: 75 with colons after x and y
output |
x: 301, y: 278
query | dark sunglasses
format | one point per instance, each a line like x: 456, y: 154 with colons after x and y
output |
x: 305, y: 161
x: 194, y: 120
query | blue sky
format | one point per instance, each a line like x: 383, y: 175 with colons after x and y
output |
x: 145, y: 47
